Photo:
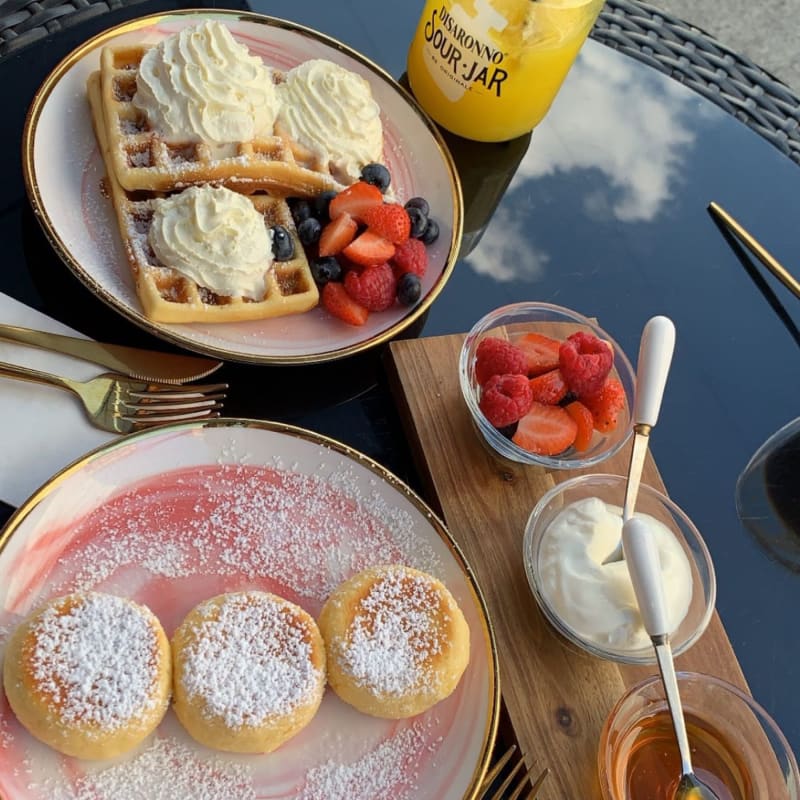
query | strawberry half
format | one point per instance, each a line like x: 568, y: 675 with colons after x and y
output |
x: 337, y: 234
x: 606, y: 405
x: 545, y: 430
x: 355, y: 200
x: 542, y: 352
x: 549, y: 387
x: 369, y: 249
x: 337, y: 302
x: 585, y: 422
x: 389, y: 220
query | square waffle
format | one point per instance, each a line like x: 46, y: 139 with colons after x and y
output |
x: 142, y: 160
x: 165, y: 294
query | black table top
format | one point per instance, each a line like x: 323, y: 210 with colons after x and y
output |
x: 605, y: 213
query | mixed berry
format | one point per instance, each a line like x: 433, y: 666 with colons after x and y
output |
x: 365, y: 253
x: 548, y: 395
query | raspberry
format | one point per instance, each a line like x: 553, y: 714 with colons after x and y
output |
x: 496, y: 356
x: 374, y: 287
x: 585, y: 362
x: 505, y: 399
x: 411, y: 256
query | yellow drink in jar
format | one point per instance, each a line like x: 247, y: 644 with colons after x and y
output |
x: 489, y: 69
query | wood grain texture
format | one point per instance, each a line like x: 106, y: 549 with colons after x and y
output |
x: 557, y: 697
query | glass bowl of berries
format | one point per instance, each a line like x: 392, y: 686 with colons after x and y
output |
x: 546, y: 385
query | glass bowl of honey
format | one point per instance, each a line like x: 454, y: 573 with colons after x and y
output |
x: 737, y: 749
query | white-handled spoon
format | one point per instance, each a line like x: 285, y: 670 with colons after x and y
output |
x: 641, y: 556
x: 655, y: 356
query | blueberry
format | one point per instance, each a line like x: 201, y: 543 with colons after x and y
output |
x: 418, y: 221
x: 309, y: 230
x: 377, y: 175
x: 419, y: 202
x: 301, y: 210
x: 326, y: 269
x: 509, y: 430
x: 431, y: 232
x: 321, y: 204
x: 282, y: 243
x: 409, y: 289
x: 569, y: 397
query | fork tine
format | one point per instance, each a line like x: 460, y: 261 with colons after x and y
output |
x: 179, y: 392
x: 538, y: 784
x: 174, y: 405
x: 523, y: 782
x: 148, y: 420
x: 507, y: 782
x: 495, y: 770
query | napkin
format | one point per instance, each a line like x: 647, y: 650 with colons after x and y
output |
x: 42, y: 428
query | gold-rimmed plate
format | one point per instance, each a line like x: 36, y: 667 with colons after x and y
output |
x: 63, y: 175
x: 180, y: 514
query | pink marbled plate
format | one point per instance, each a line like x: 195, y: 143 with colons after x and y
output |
x: 180, y: 514
x: 63, y: 169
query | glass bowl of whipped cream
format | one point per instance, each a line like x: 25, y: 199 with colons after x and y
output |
x: 571, y: 533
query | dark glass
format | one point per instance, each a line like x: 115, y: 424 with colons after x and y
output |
x: 603, y: 210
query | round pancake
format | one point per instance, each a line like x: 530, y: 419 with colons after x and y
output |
x: 397, y: 641
x: 249, y: 671
x: 89, y: 674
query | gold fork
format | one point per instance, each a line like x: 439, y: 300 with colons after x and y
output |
x: 522, y: 783
x: 124, y: 405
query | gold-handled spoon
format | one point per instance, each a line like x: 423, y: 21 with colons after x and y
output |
x: 652, y: 368
x: 641, y: 555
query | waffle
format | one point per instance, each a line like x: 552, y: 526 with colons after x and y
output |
x: 165, y: 294
x: 142, y: 160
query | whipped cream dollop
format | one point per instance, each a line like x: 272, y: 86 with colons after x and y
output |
x: 215, y: 237
x: 598, y: 600
x: 202, y: 85
x: 330, y: 111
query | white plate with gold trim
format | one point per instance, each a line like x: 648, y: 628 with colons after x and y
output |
x: 63, y: 172
x: 180, y: 514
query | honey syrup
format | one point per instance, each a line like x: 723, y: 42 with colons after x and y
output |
x: 650, y: 766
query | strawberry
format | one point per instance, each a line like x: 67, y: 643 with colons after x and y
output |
x: 337, y: 234
x: 411, y: 256
x: 549, y: 387
x: 496, y: 356
x: 542, y: 352
x: 369, y: 249
x: 606, y: 405
x: 339, y: 303
x: 585, y: 422
x: 355, y: 200
x: 374, y: 288
x: 545, y: 430
x: 505, y: 398
x: 389, y: 220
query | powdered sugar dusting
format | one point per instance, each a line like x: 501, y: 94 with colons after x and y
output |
x: 166, y: 770
x: 306, y: 532
x: 385, y: 772
x: 249, y: 660
x: 97, y: 660
x: 393, y: 635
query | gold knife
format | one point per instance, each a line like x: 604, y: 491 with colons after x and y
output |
x: 756, y: 248
x: 147, y: 365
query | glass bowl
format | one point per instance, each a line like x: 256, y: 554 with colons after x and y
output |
x: 730, y: 735
x: 558, y: 323
x: 611, y: 490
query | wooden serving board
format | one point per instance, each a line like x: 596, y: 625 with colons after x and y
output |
x: 557, y: 697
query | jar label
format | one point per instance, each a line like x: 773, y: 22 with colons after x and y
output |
x: 459, y: 54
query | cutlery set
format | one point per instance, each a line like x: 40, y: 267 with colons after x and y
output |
x: 146, y: 388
